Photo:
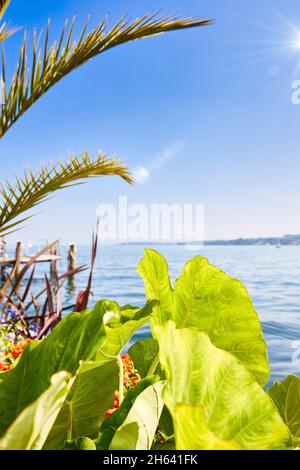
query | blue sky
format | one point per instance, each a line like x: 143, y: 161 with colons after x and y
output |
x: 216, y: 100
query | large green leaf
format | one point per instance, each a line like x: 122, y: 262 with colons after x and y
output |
x: 138, y: 430
x: 81, y: 443
x: 153, y: 269
x: 192, y: 432
x: 30, y: 430
x: 117, y: 419
x: 198, y: 373
x: 144, y: 354
x: 164, y: 438
x: 286, y: 396
x: 207, y: 299
x: 121, y: 323
x: 91, y: 395
x: 85, y: 336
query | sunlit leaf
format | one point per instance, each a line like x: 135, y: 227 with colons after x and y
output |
x: 236, y: 408
x: 82, y: 443
x: 192, y: 432
x: 31, y: 428
x: 286, y: 396
x: 208, y: 299
x: 144, y: 353
x: 125, y: 425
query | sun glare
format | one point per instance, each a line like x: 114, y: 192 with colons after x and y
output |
x: 297, y: 41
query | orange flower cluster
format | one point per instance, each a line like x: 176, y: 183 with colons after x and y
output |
x: 130, y: 379
x: 19, y: 348
x: 12, y: 353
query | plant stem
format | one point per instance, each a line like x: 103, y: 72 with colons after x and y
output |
x: 121, y: 379
x: 153, y: 366
x: 70, y: 422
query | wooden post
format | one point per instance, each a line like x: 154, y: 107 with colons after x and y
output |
x: 53, y: 263
x: 2, y: 255
x: 72, y: 257
x: 18, y: 256
x: 71, y: 266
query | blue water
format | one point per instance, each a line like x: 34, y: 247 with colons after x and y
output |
x: 272, y: 277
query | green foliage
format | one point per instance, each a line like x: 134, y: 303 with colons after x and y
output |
x: 84, y: 408
x: 80, y: 346
x: 121, y: 323
x: 82, y: 443
x: 138, y: 429
x: 236, y: 408
x: 51, y: 63
x: 116, y: 420
x: 31, y: 189
x: 205, y: 394
x: 193, y: 433
x: 39, y: 68
x: 144, y: 354
x: 30, y: 429
x: 286, y: 396
x: 207, y: 299
x: 4, y: 31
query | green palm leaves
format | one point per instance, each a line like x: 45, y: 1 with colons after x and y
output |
x: 3, y: 5
x: 40, y: 66
x: 4, y: 31
x: 32, y: 189
x: 50, y: 63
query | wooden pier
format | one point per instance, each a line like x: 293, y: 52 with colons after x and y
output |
x: 51, y: 256
x: 24, y: 259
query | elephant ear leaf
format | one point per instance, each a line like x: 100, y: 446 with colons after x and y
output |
x: 76, y: 338
x: 133, y: 425
x: 81, y: 443
x: 30, y: 429
x: 120, y: 323
x: 153, y: 268
x: 237, y: 409
x: 192, y: 432
x: 286, y: 396
x: 144, y: 353
x: 90, y: 396
x: 209, y: 300
x: 138, y: 430
x: 93, y: 335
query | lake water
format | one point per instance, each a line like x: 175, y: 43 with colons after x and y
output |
x: 272, y: 277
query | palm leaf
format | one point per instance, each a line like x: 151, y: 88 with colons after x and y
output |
x: 4, y: 31
x: 50, y: 64
x: 3, y: 6
x: 31, y: 189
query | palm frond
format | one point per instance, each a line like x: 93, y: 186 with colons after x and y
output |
x: 5, y: 32
x: 50, y: 64
x: 3, y: 6
x: 31, y: 189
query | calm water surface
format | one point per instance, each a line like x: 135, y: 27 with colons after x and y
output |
x: 272, y: 277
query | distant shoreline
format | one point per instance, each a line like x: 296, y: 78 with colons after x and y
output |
x: 286, y: 240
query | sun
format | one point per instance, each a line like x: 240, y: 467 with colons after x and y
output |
x: 297, y: 41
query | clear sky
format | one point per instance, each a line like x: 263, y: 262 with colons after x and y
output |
x: 216, y: 101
